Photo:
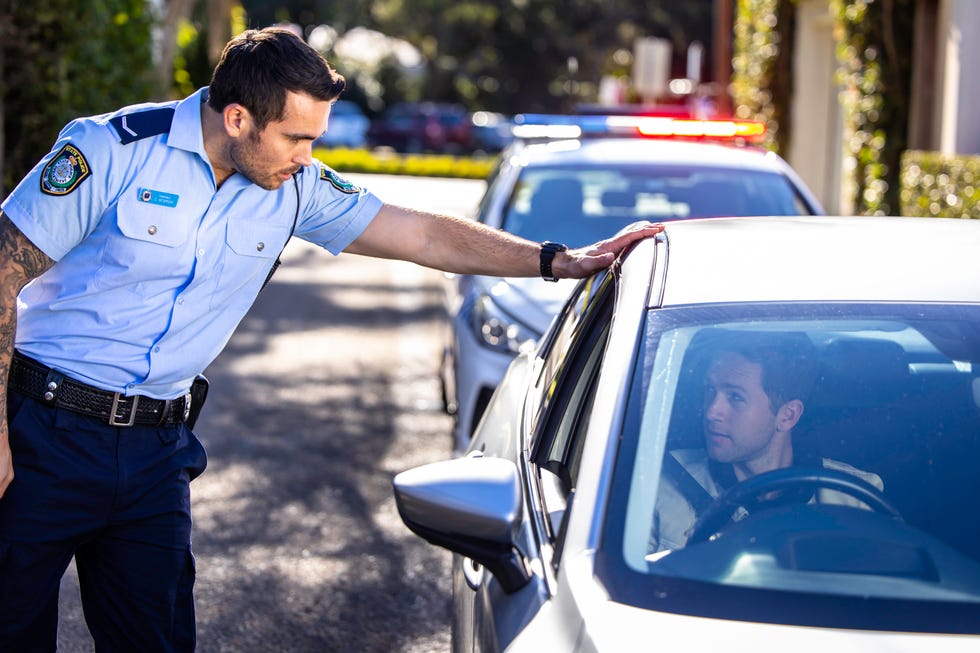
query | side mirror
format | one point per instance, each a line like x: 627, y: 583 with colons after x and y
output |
x: 471, y: 506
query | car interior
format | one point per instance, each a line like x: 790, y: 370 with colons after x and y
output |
x: 582, y: 206
x: 910, y: 416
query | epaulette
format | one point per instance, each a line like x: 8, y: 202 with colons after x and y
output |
x: 142, y: 124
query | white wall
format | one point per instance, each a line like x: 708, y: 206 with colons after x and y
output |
x: 815, y: 148
x: 956, y: 123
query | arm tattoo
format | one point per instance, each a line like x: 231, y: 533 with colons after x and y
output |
x: 22, y: 252
x: 20, y: 261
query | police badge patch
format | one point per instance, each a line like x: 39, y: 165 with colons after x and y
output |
x: 65, y: 171
x: 341, y: 184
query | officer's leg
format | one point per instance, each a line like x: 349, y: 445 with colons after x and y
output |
x: 137, y: 578
x: 137, y: 596
x: 30, y: 576
x: 43, y: 517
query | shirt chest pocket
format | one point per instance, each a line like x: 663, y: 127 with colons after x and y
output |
x: 252, y: 248
x: 151, y: 223
x: 255, y: 239
x: 150, y: 248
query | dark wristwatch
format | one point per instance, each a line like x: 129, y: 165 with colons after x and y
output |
x: 548, y: 251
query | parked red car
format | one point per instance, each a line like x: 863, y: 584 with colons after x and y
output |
x: 423, y: 127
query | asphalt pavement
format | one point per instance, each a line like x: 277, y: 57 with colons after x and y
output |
x: 325, y: 392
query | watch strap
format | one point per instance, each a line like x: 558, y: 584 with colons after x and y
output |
x: 548, y: 251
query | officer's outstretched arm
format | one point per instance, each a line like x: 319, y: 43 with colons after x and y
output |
x: 467, y: 247
x: 20, y: 261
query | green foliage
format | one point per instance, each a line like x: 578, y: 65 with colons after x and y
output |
x: 512, y: 56
x: 538, y: 55
x: 875, y: 75
x: 938, y: 186
x: 762, y: 54
x: 392, y: 163
x: 63, y: 59
x: 192, y: 70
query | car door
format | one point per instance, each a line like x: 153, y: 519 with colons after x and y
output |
x: 558, y: 399
x: 567, y: 389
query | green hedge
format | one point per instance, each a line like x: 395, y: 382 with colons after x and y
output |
x: 393, y: 163
x: 940, y: 186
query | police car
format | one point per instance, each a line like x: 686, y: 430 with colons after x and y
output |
x: 576, y: 180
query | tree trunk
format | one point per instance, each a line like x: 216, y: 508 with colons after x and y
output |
x: 177, y: 11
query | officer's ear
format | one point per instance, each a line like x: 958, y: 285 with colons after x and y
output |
x: 237, y: 119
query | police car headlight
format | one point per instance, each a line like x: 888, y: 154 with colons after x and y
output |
x: 498, y: 331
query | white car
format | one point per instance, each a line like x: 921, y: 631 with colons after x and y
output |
x: 866, y: 537
x: 576, y: 191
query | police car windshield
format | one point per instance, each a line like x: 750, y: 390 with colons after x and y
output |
x: 579, y: 205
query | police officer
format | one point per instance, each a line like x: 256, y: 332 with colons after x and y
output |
x: 129, y: 255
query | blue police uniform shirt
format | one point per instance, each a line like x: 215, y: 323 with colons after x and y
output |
x: 155, y: 265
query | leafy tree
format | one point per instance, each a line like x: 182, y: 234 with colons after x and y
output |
x: 340, y: 15
x: 537, y: 55
x: 60, y: 59
x: 874, y: 73
x: 518, y: 55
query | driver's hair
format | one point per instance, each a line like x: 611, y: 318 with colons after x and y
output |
x: 788, y: 361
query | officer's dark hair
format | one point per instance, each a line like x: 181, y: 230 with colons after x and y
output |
x: 259, y: 66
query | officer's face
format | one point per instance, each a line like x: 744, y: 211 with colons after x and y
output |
x: 269, y: 157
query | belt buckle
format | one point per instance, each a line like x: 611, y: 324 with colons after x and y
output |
x: 116, y: 399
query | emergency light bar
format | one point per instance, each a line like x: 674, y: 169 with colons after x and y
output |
x: 545, y: 126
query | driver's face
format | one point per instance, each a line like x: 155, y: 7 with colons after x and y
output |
x: 739, y: 423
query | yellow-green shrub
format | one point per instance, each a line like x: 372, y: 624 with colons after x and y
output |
x: 940, y: 186
x: 393, y: 163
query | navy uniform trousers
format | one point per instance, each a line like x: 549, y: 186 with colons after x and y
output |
x: 118, y: 500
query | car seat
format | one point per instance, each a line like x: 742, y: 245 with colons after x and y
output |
x: 555, y: 201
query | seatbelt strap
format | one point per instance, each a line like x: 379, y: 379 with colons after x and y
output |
x: 694, y: 492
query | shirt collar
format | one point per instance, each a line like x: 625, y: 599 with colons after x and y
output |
x: 185, y: 130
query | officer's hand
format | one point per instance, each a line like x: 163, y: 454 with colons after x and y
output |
x: 581, y: 262
x: 6, y: 459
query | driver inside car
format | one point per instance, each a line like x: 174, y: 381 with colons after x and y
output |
x: 755, y: 387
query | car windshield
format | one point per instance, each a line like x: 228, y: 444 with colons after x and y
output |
x: 804, y: 464
x: 580, y: 205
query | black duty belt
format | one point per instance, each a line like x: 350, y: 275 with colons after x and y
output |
x: 38, y: 381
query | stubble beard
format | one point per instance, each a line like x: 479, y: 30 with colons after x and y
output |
x: 244, y: 164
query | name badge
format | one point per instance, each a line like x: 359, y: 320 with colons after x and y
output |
x: 158, y: 197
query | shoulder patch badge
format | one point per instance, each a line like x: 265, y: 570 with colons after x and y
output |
x: 65, y: 171
x: 338, y: 182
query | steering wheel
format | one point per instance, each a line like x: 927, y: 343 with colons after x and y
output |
x: 725, y: 504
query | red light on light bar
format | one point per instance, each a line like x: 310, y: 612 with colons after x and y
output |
x: 700, y: 128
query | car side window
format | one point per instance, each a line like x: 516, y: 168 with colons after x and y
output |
x: 493, y: 181
x: 568, y: 382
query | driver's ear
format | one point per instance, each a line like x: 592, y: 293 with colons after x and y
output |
x: 789, y: 414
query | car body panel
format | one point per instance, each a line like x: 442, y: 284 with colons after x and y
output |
x: 716, y: 261
x: 580, y: 619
